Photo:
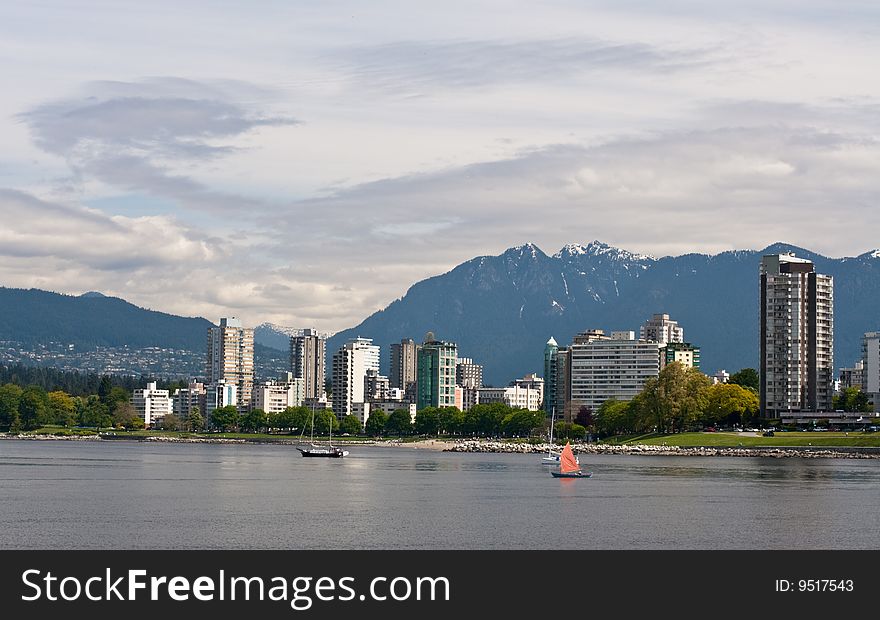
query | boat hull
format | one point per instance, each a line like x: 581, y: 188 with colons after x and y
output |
x: 576, y: 474
x: 323, y: 453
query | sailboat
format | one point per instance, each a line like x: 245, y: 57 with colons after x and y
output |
x: 568, y: 466
x: 552, y: 457
x: 328, y: 451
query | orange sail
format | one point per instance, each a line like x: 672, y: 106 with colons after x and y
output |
x: 567, y: 462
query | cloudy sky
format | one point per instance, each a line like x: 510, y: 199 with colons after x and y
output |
x: 306, y: 162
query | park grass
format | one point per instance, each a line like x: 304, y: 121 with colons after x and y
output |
x: 855, y: 439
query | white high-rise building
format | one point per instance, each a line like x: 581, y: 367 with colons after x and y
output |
x: 602, y: 367
x: 231, y: 358
x: 797, y: 337
x: 151, y: 404
x: 660, y: 328
x: 350, y: 365
x: 276, y: 396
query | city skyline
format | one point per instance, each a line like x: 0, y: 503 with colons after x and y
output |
x: 304, y: 165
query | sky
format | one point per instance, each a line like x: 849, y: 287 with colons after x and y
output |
x: 305, y: 163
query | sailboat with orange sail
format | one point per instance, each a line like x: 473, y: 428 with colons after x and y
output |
x: 568, y: 465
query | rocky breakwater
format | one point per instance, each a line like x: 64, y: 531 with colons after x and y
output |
x: 475, y: 445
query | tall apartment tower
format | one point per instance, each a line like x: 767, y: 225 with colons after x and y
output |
x: 308, y: 351
x: 551, y: 351
x: 661, y: 329
x: 231, y: 358
x: 797, y: 336
x: 468, y: 374
x: 869, y: 377
x: 403, y: 364
x: 350, y: 365
x: 435, y: 370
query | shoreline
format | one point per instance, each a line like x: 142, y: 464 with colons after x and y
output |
x: 483, y: 446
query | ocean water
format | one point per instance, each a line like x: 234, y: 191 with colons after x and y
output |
x: 131, y: 495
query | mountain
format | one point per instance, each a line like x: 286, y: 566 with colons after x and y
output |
x: 34, y: 316
x: 274, y: 336
x: 502, y: 309
x: 35, y: 319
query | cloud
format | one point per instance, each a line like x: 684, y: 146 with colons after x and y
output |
x: 468, y: 64
x: 136, y: 135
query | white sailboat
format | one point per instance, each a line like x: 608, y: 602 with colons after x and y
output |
x: 552, y: 457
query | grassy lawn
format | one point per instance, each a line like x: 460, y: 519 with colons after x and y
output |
x: 781, y: 438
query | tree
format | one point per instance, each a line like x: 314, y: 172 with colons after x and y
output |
x: 33, y: 408
x: 325, y: 420
x: 293, y: 418
x: 614, y: 417
x: 254, y: 420
x: 351, y: 425
x: 450, y: 420
x: 521, y: 422
x: 428, y: 421
x: 10, y: 396
x: 126, y: 416
x: 399, y: 423
x: 675, y: 397
x: 375, y: 425
x: 747, y: 377
x: 92, y: 412
x: 730, y: 402
x: 169, y: 422
x: 585, y: 416
x: 105, y: 387
x: 61, y: 408
x: 225, y: 418
x: 852, y: 399
x: 195, y: 421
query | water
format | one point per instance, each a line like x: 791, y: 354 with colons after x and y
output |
x: 83, y: 495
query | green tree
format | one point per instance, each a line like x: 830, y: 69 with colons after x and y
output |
x: 428, y: 421
x: 375, y: 425
x: 675, y: 398
x: 195, y: 421
x: 105, y: 388
x: 325, y: 420
x: 614, y: 417
x: 292, y: 418
x: 33, y: 408
x: 451, y: 420
x: 254, y: 420
x: 92, y: 412
x: 747, y: 377
x: 225, y: 418
x: 399, y: 423
x: 521, y: 422
x: 61, y: 408
x: 351, y: 425
x: 10, y: 397
x: 852, y: 399
x: 730, y: 402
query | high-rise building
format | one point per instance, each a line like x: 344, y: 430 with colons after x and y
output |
x: 276, y: 396
x: 435, y: 373
x: 660, y: 328
x: 376, y: 387
x: 231, y: 358
x: 151, y: 404
x: 468, y: 374
x: 185, y: 399
x: 550, y: 354
x: 308, y: 351
x: 603, y: 367
x: 403, y: 365
x: 871, y: 367
x: 797, y: 336
x: 531, y: 382
x: 350, y: 365
x: 854, y: 377
x: 684, y: 353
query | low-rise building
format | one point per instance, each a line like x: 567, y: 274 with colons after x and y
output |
x: 152, y: 404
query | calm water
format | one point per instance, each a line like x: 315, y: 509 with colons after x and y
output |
x: 137, y: 495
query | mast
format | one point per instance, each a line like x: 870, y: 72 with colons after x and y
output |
x: 552, y: 420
